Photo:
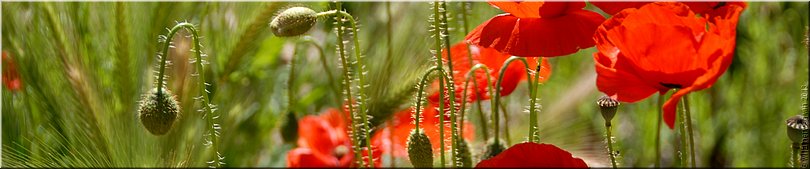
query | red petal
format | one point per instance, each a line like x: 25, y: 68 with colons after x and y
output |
x: 618, y: 82
x: 495, y: 33
x: 519, y: 9
x: 317, y: 134
x: 533, y: 155
x: 304, y: 157
x: 612, y: 8
x: 671, y: 105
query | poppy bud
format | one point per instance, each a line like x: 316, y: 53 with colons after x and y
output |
x: 158, y: 110
x: 420, y: 151
x: 493, y: 149
x: 795, y: 126
x: 608, y: 107
x: 464, y: 155
x: 289, y: 130
x: 293, y: 22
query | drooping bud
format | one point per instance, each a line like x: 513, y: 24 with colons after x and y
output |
x: 795, y: 126
x: 293, y: 21
x: 158, y: 111
x: 420, y: 151
x: 608, y: 107
x: 492, y: 149
x: 289, y: 130
x: 464, y: 155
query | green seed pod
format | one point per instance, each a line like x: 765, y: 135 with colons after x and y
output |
x: 795, y: 126
x: 464, y: 155
x: 420, y: 151
x: 158, y: 110
x: 293, y: 22
x: 289, y: 130
x: 492, y: 149
x: 608, y: 107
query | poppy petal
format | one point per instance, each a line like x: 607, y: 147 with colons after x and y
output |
x: 533, y: 155
x: 611, y: 8
x: 305, y: 157
x: 520, y: 9
x: 495, y: 32
x: 550, y: 37
x: 671, y: 105
x: 317, y: 134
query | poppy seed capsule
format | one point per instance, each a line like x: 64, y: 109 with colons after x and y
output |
x: 608, y: 107
x: 420, y: 151
x: 493, y: 149
x: 293, y: 22
x: 795, y: 126
x: 158, y: 110
x: 464, y: 154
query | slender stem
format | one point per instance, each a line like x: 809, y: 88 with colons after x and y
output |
x: 533, y: 108
x: 496, y: 100
x: 690, y: 128
x: 658, y: 132
x: 794, y: 156
x: 611, y: 152
x: 291, y: 81
x: 446, y: 36
x: 506, y: 132
x: 213, y: 130
x: 684, y: 143
x: 326, y: 68
x: 437, y: 36
x: 390, y: 53
x: 484, y: 131
x: 347, y: 80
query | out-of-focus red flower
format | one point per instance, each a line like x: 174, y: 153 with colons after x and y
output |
x: 494, y: 60
x: 698, y: 7
x: 404, y: 124
x: 11, y: 78
x: 662, y: 46
x: 533, y: 155
x: 537, y: 29
x: 324, y: 142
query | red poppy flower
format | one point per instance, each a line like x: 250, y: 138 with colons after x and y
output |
x: 494, y: 60
x: 11, y: 78
x: 404, y: 125
x: 698, y: 7
x: 533, y: 155
x: 537, y: 29
x: 661, y: 46
x: 324, y: 142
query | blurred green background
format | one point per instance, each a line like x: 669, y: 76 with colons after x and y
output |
x: 85, y: 65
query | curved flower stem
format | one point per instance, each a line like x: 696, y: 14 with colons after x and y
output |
x: 347, y: 80
x: 446, y: 36
x: 688, y: 121
x: 485, y: 129
x: 496, y: 100
x: 326, y: 68
x: 213, y: 130
x: 533, y: 108
x: 421, y: 89
x: 658, y: 131
x: 611, y: 152
x: 470, y: 76
x: 506, y: 121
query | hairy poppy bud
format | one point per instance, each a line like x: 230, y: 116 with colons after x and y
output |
x: 464, y: 155
x: 293, y: 22
x: 289, y: 130
x: 420, y: 151
x: 158, y: 110
x: 795, y: 126
x: 608, y: 107
x: 493, y: 149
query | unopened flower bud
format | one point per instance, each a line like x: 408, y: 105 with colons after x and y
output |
x: 493, y: 149
x: 289, y: 129
x: 608, y: 107
x: 464, y: 155
x: 293, y: 22
x: 420, y: 151
x: 795, y: 126
x: 158, y: 110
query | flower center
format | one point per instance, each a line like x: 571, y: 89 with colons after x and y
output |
x: 340, y: 151
x: 670, y: 85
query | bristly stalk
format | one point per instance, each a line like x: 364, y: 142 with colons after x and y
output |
x: 496, y: 99
x: 690, y: 129
x: 420, y: 97
x: 683, y: 141
x: 213, y: 127
x: 533, y: 103
x: 470, y: 76
x: 347, y: 82
x: 484, y: 127
x: 437, y: 36
x: 454, y: 134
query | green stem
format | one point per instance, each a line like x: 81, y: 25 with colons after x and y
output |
x: 794, y: 156
x: 611, y: 152
x: 683, y: 140
x: 437, y: 36
x: 484, y: 131
x: 326, y: 68
x: 690, y: 128
x: 291, y: 81
x: 213, y: 130
x: 454, y: 131
x: 533, y: 108
x: 658, y: 132
x: 506, y: 132
x: 389, y: 34
x: 347, y: 81
x: 496, y: 100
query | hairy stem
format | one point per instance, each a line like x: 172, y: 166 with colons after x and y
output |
x: 690, y: 129
x: 496, y: 100
x: 611, y: 152
x: 658, y: 132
